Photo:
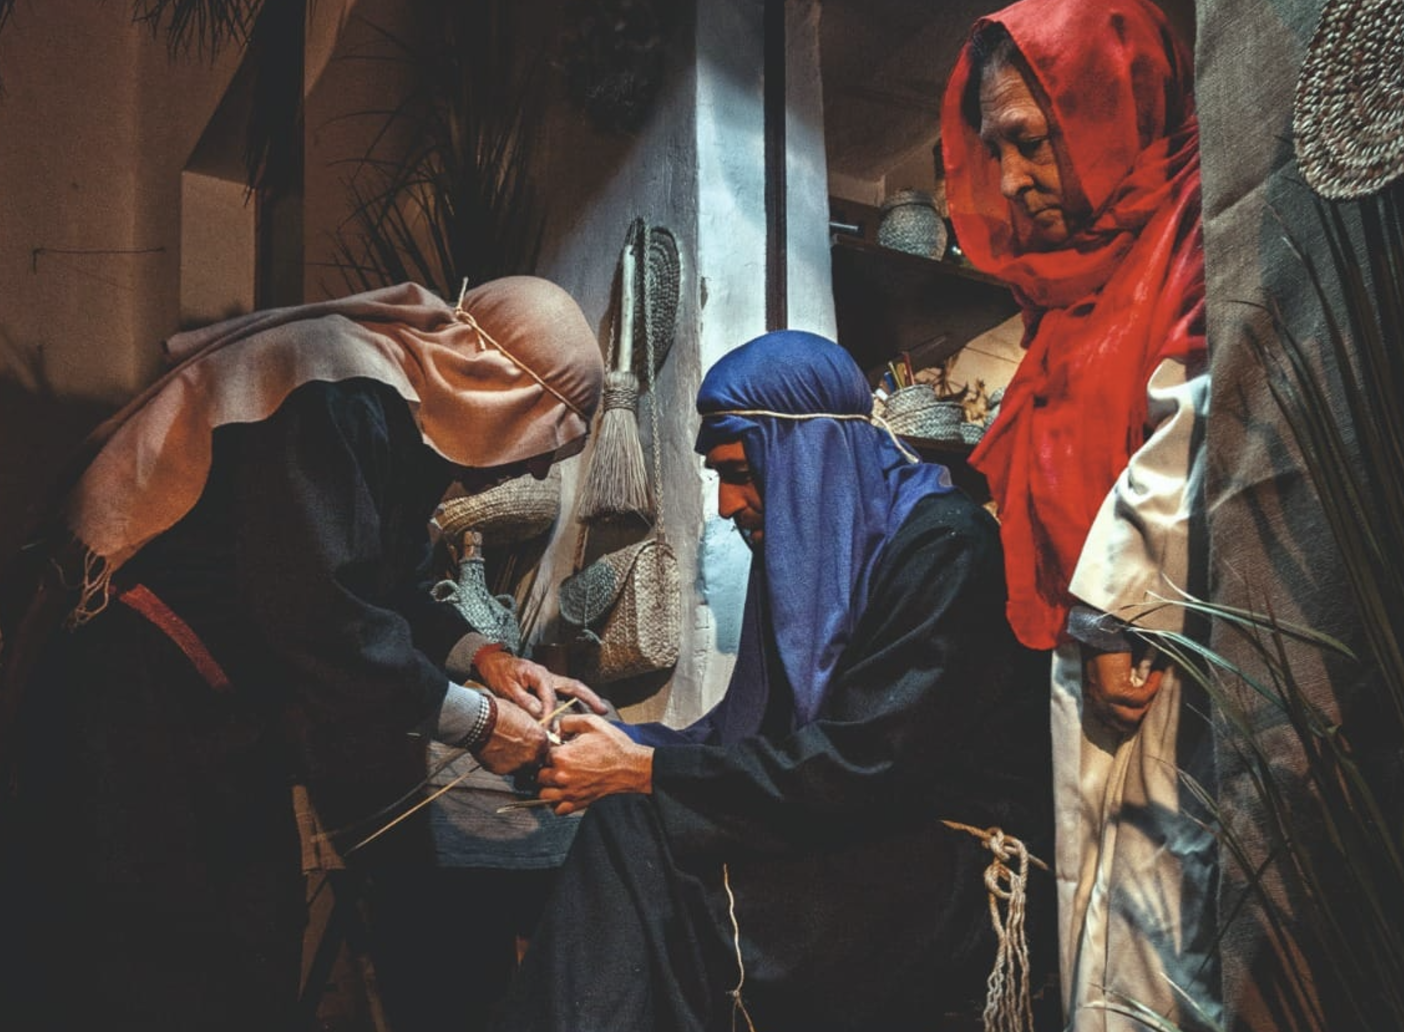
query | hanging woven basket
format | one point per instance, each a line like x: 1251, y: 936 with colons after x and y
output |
x: 513, y: 511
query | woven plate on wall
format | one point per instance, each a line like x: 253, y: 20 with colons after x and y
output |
x: 1348, y: 116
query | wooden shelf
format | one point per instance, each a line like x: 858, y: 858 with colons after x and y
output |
x: 887, y: 302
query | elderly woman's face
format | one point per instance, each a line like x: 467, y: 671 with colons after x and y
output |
x: 1016, y: 131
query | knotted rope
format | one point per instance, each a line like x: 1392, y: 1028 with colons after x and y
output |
x: 1008, y: 997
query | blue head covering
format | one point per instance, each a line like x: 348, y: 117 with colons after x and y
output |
x: 835, y: 488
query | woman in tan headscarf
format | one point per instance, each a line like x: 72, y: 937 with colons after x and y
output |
x: 251, y: 606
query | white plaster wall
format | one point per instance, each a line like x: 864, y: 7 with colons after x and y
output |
x: 95, y: 126
x: 697, y: 167
x: 731, y: 237
x: 809, y: 272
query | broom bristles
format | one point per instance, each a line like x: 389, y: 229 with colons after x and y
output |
x: 616, y: 485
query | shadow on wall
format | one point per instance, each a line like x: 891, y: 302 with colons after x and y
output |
x: 38, y: 434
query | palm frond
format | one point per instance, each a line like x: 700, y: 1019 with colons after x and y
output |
x: 202, y: 26
x: 458, y: 202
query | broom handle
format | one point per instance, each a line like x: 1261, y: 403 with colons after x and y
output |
x: 628, y: 273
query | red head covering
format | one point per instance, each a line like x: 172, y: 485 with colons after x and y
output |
x: 1101, y: 311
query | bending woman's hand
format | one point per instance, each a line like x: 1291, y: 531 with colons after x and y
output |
x: 595, y: 759
x: 1116, y: 692
x: 530, y: 685
x: 518, y: 740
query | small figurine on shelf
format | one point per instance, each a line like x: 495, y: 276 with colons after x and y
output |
x: 938, y: 378
x: 976, y: 403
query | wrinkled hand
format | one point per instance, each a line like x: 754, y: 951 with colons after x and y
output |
x: 595, y: 759
x: 530, y: 685
x: 518, y: 740
x: 1117, y: 693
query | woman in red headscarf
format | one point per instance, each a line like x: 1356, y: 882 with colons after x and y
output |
x: 1072, y: 163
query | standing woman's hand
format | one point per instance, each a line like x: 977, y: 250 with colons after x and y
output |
x: 1116, y: 691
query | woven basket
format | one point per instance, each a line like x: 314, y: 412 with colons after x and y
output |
x: 513, y: 511
x: 971, y: 433
x: 915, y: 411
x: 910, y: 223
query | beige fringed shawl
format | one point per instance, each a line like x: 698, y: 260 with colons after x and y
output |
x: 517, y: 356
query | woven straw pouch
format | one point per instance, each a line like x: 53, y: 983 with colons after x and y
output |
x: 627, y: 604
x: 513, y: 511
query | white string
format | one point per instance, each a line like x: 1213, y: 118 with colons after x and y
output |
x: 737, y: 1004
x: 872, y: 419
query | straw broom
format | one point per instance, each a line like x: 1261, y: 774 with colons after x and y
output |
x: 616, y: 484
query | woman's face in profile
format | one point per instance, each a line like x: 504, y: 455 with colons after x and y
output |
x: 1016, y: 131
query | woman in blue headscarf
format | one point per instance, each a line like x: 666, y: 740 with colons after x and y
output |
x: 878, y: 693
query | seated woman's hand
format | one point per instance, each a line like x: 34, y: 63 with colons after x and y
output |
x: 594, y: 759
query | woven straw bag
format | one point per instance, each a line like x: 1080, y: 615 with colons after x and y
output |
x: 627, y: 605
x: 512, y: 511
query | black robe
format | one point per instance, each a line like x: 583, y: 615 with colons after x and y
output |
x: 153, y: 877
x: 857, y: 907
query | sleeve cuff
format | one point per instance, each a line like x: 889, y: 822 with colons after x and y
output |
x: 467, y: 717
x: 1099, y: 630
x: 460, y: 658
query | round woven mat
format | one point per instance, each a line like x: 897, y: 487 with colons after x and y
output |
x: 1348, y: 117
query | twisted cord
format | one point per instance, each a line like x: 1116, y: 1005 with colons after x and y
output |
x: 651, y: 386
x: 486, y: 339
x: 872, y: 419
x: 1008, y: 997
x: 619, y: 395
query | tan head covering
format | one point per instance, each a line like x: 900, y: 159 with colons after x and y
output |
x: 514, y: 371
